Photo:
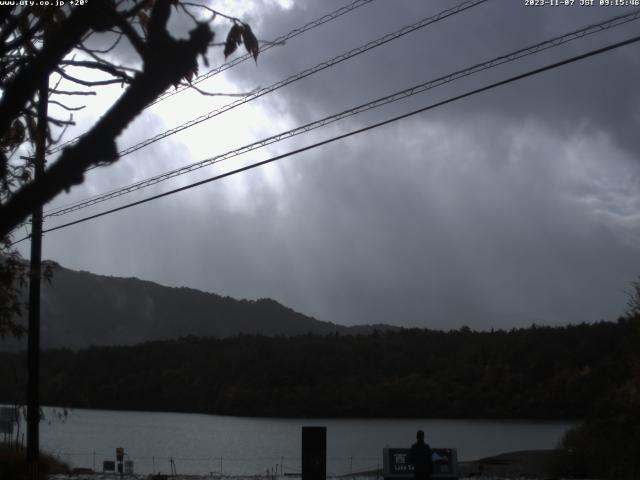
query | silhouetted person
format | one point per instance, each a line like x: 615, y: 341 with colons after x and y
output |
x: 420, y: 458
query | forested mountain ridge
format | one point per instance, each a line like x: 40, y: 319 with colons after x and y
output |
x: 80, y: 309
x: 539, y: 372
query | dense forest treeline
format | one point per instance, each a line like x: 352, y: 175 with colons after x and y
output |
x: 539, y: 372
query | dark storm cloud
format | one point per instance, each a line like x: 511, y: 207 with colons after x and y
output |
x: 533, y: 253
x: 418, y: 240
x: 442, y: 237
x: 601, y: 91
x: 512, y: 207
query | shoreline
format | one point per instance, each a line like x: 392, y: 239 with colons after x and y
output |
x: 532, y: 464
x: 516, y: 464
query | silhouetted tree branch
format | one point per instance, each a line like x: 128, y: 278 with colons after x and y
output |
x: 98, y: 147
x: 39, y: 42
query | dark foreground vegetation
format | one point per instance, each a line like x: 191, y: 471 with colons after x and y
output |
x: 13, y: 465
x: 565, y: 372
x: 607, y: 444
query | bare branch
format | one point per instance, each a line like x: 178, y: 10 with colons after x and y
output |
x: 55, y: 87
x: 57, y: 140
x: 110, y: 69
x: 98, y: 147
x: 106, y: 62
x: 214, y: 12
x: 130, y: 33
x: 10, y: 25
x: 70, y: 92
x: 66, y: 107
x: 25, y: 83
x: 60, y: 123
x: 106, y: 50
x: 12, y: 153
x: 185, y: 10
x: 88, y: 83
x: 26, y: 37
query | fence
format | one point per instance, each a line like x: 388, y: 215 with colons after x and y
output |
x: 224, y: 466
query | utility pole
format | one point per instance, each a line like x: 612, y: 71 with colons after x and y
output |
x: 33, y: 383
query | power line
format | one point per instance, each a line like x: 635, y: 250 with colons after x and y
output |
x: 281, y: 39
x: 238, y: 60
x: 518, y: 54
x: 305, y: 73
x: 530, y: 73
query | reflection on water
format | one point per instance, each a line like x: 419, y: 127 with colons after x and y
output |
x: 201, y: 444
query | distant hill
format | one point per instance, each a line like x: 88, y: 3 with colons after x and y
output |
x: 80, y: 309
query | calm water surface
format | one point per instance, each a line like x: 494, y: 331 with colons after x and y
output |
x: 200, y: 444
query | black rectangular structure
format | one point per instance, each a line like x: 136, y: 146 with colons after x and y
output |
x: 314, y: 453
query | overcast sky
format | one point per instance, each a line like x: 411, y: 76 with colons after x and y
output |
x: 512, y: 207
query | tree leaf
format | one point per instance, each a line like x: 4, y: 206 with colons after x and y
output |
x: 191, y: 73
x: 250, y: 42
x: 14, y: 136
x: 234, y: 40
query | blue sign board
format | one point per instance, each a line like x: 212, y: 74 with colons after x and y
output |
x: 396, y: 463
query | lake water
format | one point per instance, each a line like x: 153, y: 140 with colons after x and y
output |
x: 201, y: 444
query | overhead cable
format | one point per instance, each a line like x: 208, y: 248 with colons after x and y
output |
x: 238, y: 60
x: 518, y: 54
x: 305, y: 73
x: 277, y: 41
x: 492, y: 86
